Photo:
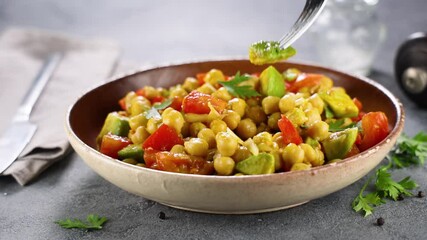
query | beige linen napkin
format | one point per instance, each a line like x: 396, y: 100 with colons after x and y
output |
x: 86, y: 63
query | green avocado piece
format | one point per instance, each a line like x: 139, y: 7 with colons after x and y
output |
x: 133, y: 151
x: 262, y: 163
x: 338, y: 144
x: 115, y: 124
x: 340, y: 103
x: 267, y: 52
x: 272, y: 82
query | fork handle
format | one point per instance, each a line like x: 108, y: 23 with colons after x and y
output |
x: 37, y: 86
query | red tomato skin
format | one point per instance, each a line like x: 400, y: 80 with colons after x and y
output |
x: 375, y: 128
x: 122, y: 104
x: 177, y: 103
x: 197, y: 102
x: 304, y: 80
x: 182, y: 163
x: 289, y: 132
x: 163, y: 139
x: 201, y: 78
x: 150, y: 157
x: 112, y: 144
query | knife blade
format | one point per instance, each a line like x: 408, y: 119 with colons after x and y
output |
x: 19, y: 133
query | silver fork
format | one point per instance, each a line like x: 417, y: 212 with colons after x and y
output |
x: 310, y: 12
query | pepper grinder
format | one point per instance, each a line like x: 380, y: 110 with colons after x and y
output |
x: 411, y: 67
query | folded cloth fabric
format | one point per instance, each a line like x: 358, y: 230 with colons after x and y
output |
x: 85, y: 63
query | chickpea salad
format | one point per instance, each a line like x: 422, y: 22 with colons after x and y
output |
x: 246, y: 124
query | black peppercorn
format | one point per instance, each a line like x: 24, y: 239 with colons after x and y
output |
x: 421, y: 194
x: 380, y: 221
x: 162, y: 215
x: 400, y: 197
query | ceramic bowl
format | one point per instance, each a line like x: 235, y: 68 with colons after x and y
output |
x: 226, y: 194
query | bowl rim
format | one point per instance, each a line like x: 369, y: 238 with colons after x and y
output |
x: 396, y: 129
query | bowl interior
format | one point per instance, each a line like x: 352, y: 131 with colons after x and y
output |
x: 87, y: 115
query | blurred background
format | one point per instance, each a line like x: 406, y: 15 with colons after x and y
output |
x: 164, y: 31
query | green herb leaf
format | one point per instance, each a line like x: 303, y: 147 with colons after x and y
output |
x: 366, y: 203
x: 93, y: 222
x: 387, y: 187
x: 328, y: 112
x: 409, y: 151
x: 234, y: 88
x: 153, y: 112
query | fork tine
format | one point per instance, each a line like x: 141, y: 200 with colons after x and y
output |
x: 310, y: 12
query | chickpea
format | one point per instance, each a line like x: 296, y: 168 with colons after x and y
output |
x: 292, y: 154
x: 226, y: 144
x: 173, y: 118
x: 300, y: 167
x: 208, y: 135
x: 150, y: 92
x: 218, y: 126
x: 190, y: 84
x: 206, y: 88
x: 256, y: 114
x: 252, y: 102
x: 246, y: 128
x: 317, y: 102
x: 270, y: 104
x: 178, y: 92
x: 238, y: 105
x: 139, y: 135
x: 296, y: 116
x: 232, y: 119
x: 319, y: 130
x: 138, y: 120
x: 320, y: 158
x: 263, y: 137
x: 241, y: 154
x: 195, y: 128
x: 313, y: 116
x: 273, y: 119
x: 178, y: 149
x: 310, y: 154
x: 278, y: 162
x: 139, y: 105
x: 287, y: 102
x: 262, y: 127
x: 213, y: 76
x: 224, y: 165
x: 128, y: 99
x: 185, y: 130
x: 152, y: 125
x: 196, y: 147
x: 223, y: 94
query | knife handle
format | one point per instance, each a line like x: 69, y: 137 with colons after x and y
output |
x: 36, y: 87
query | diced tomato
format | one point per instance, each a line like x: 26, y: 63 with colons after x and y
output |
x: 197, y: 102
x: 289, y: 132
x: 305, y: 80
x: 163, y: 139
x: 358, y: 104
x: 112, y: 144
x: 374, y: 129
x: 183, y: 163
x: 122, y: 104
x: 150, y: 157
x: 140, y: 92
x: 353, y: 151
x: 158, y: 99
x: 359, y: 116
x: 176, y: 103
x: 201, y: 78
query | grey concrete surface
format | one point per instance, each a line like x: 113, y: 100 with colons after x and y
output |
x: 164, y: 31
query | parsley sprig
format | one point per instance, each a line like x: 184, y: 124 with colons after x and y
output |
x: 407, y: 152
x: 338, y: 125
x: 94, y: 222
x: 235, y: 88
x: 153, y: 112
